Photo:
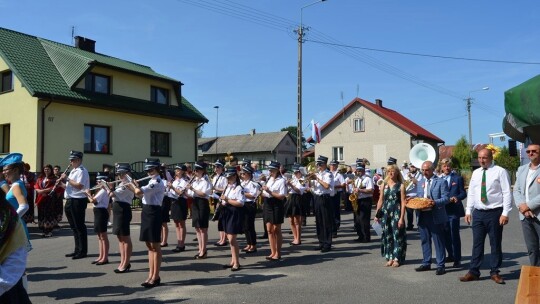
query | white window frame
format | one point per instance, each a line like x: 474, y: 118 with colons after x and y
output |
x: 359, y: 125
x: 337, y: 153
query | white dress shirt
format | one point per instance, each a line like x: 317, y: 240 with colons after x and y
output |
x: 234, y: 192
x: 102, y: 199
x: 79, y: 175
x: 364, y: 182
x: 296, y: 183
x: 277, y: 185
x: 153, y: 192
x: 219, y: 182
x: 497, y: 188
x: 252, y: 188
x: 123, y: 194
x: 200, y: 184
x: 326, y: 177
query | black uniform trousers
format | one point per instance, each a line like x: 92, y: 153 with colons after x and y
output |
x: 336, y: 204
x: 363, y: 218
x: 76, y: 212
x: 324, y: 218
x: 249, y: 222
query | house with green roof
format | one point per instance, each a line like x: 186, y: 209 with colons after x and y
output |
x: 56, y: 98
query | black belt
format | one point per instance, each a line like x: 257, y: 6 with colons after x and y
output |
x: 489, y: 210
x: 323, y: 195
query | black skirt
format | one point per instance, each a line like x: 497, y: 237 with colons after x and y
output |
x: 179, y: 209
x: 233, y: 219
x: 150, y: 224
x: 166, y: 209
x: 121, y: 218
x: 101, y: 217
x: 293, y: 206
x: 273, y: 211
x: 200, y: 213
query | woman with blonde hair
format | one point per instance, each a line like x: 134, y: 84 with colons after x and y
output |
x: 391, y: 214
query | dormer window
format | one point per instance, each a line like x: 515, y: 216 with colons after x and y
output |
x: 159, y: 95
x: 7, y: 82
x: 98, y: 83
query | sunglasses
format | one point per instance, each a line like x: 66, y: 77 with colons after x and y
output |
x: 531, y: 151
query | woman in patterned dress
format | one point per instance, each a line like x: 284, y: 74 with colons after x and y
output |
x: 391, y: 214
x: 47, y: 216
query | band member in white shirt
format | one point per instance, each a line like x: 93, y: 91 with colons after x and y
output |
x: 275, y: 192
x: 152, y: 197
x: 232, y: 204
x: 122, y: 197
x: 101, y: 218
x: 294, y: 206
x: 339, y: 187
x: 179, y: 209
x: 76, y: 203
x: 324, y: 217
x: 363, y: 186
x: 219, y: 182
x: 200, y: 189
x: 411, y: 179
x: 251, y: 193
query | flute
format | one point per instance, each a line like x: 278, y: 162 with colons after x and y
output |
x: 59, y: 180
x: 120, y: 181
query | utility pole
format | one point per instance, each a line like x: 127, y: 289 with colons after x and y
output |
x: 469, y: 101
x: 301, y: 34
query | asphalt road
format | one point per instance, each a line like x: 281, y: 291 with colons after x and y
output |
x: 350, y: 273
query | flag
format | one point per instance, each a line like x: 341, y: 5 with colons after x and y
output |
x: 315, y: 131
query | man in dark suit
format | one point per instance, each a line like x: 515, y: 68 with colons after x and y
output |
x: 454, y: 210
x: 431, y: 221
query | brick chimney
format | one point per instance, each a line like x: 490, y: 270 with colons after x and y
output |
x: 85, y: 44
x: 378, y: 102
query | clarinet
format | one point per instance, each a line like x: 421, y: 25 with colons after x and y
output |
x: 58, y: 181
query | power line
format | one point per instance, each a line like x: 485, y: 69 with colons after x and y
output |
x: 423, y: 55
x: 446, y: 120
x: 230, y: 8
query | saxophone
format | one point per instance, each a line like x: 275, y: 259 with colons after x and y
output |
x: 353, y: 197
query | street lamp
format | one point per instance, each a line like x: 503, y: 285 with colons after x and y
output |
x: 300, y: 32
x: 217, y: 116
x: 469, y: 102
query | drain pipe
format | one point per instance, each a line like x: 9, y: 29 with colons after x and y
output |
x: 42, y: 148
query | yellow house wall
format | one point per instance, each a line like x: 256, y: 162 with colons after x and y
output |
x: 19, y: 109
x: 380, y: 140
x: 130, y: 136
x: 133, y: 86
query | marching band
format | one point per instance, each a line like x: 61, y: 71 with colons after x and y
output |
x: 235, y: 196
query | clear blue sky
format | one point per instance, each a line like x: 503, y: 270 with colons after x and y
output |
x: 225, y: 57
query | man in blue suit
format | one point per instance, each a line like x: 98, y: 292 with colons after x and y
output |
x: 527, y: 199
x: 431, y: 221
x: 454, y: 210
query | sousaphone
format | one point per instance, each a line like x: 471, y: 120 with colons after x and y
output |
x: 420, y: 153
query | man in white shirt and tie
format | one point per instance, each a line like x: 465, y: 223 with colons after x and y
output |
x: 488, y: 203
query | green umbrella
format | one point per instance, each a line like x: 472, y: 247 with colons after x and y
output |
x: 522, y: 106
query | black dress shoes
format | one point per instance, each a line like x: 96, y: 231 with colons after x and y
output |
x: 151, y: 284
x: 457, y: 264
x: 423, y: 268
x: 440, y: 271
x: 79, y: 256
x: 325, y: 249
x: 179, y: 249
x: 124, y: 270
x: 103, y: 263
x: 69, y: 255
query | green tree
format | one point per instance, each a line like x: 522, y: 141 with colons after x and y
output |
x: 461, y: 156
x: 292, y: 130
x: 200, y: 132
x: 510, y: 163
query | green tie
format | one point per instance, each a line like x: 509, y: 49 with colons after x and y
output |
x: 483, y: 191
